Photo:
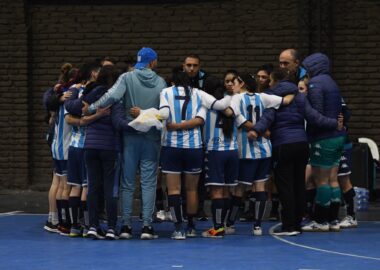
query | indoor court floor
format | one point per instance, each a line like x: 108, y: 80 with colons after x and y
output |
x: 25, y: 245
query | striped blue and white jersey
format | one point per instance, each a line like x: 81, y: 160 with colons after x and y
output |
x: 62, y: 136
x: 183, y: 107
x: 78, y: 134
x: 250, y: 107
x: 213, y: 135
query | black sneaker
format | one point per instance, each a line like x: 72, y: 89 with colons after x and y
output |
x: 147, y: 233
x: 201, y: 216
x: 95, y: 233
x: 125, y: 232
x: 110, y: 235
x: 50, y: 227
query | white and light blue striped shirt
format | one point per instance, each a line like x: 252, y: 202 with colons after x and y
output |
x: 213, y: 135
x: 251, y: 106
x: 182, y: 107
x: 78, y: 134
x: 62, y: 135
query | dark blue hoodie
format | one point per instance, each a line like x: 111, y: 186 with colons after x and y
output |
x: 323, y: 94
x: 102, y: 134
x: 287, y: 124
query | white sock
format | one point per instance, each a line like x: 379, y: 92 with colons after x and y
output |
x: 54, y: 218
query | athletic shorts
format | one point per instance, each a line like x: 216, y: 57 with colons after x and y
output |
x: 60, y: 167
x: 326, y: 153
x: 345, y: 160
x: 254, y: 170
x: 181, y: 160
x: 76, y: 167
x: 222, y: 168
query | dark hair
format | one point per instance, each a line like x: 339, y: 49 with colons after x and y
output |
x: 280, y: 74
x: 64, y: 76
x: 268, y: 68
x: 107, y: 77
x: 215, y: 87
x: 249, y: 81
x: 86, y: 69
x: 231, y: 71
x: 179, y: 77
x: 196, y: 56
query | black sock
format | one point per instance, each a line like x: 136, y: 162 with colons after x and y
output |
x: 190, y: 220
x: 252, y: 206
x: 310, y: 200
x: 334, y: 211
x: 174, y: 202
x: 234, y: 210
x: 83, y: 205
x: 260, y: 204
x: 74, y: 205
x: 66, y: 212
x: 159, y: 199
x: 349, y: 199
x: 59, y: 210
x: 226, y: 209
x: 275, y: 204
x: 217, y: 212
x: 321, y: 213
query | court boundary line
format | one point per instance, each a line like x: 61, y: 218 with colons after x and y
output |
x: 318, y: 249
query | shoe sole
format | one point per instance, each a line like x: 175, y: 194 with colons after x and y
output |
x: 349, y: 227
x: 316, y: 230
x: 286, y: 234
x: 179, y: 238
x: 213, y: 236
x: 46, y: 228
x: 125, y: 237
x: 146, y: 236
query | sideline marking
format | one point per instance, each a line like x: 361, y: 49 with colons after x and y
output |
x: 317, y: 249
x: 10, y: 213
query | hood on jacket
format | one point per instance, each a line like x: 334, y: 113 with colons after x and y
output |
x: 147, y: 77
x: 283, y: 88
x: 317, y: 64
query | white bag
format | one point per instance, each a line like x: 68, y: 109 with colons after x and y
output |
x: 146, y: 120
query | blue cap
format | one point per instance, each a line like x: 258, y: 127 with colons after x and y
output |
x: 144, y: 57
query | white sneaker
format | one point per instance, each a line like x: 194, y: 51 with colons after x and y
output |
x: 313, y: 226
x: 230, y: 229
x: 256, y: 230
x: 334, y: 226
x: 179, y: 235
x: 348, y: 222
x: 168, y: 216
x: 160, y: 215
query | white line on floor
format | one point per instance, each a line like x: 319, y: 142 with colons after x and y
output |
x: 318, y: 249
x: 9, y: 213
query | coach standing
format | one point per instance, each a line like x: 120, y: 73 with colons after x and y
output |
x: 141, y: 88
